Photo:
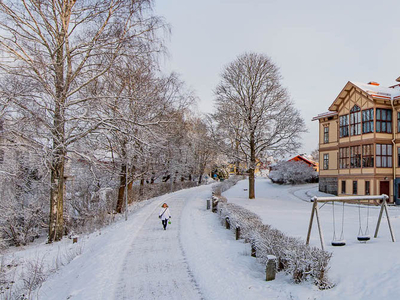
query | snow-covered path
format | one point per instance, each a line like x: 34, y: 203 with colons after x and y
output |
x: 136, y: 259
x: 155, y: 266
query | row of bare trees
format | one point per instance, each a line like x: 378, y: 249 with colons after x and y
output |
x: 80, y: 86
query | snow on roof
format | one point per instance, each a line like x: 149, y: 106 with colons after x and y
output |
x: 380, y: 92
x: 324, y: 115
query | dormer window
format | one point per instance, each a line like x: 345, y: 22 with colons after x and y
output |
x: 355, y: 120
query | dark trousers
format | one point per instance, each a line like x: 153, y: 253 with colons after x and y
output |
x: 164, y: 223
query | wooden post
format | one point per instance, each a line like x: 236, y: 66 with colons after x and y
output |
x: 390, y: 225
x: 208, y: 203
x: 379, y: 220
x: 384, y: 208
x: 270, y: 270
x: 311, y: 220
x: 253, y: 250
x: 321, y: 236
x: 74, y: 239
x: 227, y: 224
x: 237, y: 232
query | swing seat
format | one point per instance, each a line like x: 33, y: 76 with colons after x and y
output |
x: 339, y: 243
x: 363, y: 238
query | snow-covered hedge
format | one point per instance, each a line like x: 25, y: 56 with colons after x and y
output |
x: 294, y: 257
x: 225, y: 185
x: 293, y: 172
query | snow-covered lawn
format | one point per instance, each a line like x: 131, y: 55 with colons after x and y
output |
x: 360, y: 270
x: 196, y: 258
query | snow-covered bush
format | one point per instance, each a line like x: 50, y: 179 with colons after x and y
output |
x: 21, y: 225
x: 294, y: 257
x: 22, y: 212
x: 225, y: 185
x: 293, y: 172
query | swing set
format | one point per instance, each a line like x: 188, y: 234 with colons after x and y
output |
x: 363, y: 235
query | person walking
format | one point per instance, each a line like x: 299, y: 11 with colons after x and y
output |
x: 164, y: 215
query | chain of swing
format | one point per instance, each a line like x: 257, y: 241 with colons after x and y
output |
x: 363, y: 235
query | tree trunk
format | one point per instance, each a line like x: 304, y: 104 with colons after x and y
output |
x: 252, y: 193
x: 56, y: 222
x: 141, y: 187
x: 200, y: 178
x: 237, y: 164
x: 121, y: 190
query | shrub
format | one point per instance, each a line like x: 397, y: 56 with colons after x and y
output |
x: 294, y: 257
x: 223, y: 186
x: 293, y: 172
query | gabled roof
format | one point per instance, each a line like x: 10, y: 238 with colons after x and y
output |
x: 302, y: 158
x: 380, y: 92
x: 369, y: 90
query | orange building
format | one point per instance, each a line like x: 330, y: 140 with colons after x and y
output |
x: 310, y: 163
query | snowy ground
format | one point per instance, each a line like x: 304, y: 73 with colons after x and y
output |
x: 196, y: 258
x: 360, y: 270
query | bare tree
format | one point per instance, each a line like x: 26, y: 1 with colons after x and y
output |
x: 315, y: 155
x: 254, y: 107
x: 54, y: 50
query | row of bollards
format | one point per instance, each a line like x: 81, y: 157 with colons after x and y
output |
x: 270, y: 270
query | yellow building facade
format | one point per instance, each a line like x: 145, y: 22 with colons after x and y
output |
x: 359, y: 142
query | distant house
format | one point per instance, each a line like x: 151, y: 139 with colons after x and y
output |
x: 309, y: 162
x: 301, y: 158
x: 359, y: 141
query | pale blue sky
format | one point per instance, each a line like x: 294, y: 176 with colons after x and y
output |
x: 318, y: 45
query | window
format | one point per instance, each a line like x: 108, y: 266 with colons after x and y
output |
x: 343, y: 186
x: 398, y: 122
x: 398, y: 191
x: 344, y: 158
x: 383, y: 120
x: 367, y: 188
x: 355, y: 120
x: 368, y: 156
x: 344, y: 126
x: 326, y: 161
x: 368, y: 120
x: 383, y: 156
x: 326, y: 134
x: 398, y: 157
x: 355, y: 157
x: 354, y: 187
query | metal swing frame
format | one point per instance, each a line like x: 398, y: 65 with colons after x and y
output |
x: 315, y: 211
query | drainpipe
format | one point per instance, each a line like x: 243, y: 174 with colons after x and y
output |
x: 394, y: 149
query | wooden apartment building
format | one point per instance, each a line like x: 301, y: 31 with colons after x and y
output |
x: 359, y: 142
